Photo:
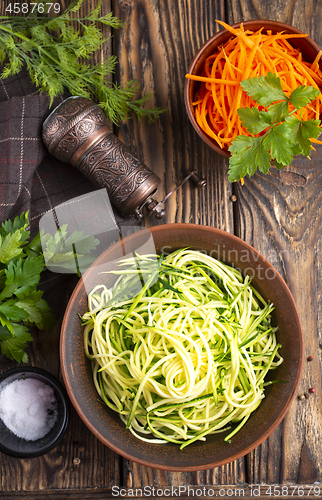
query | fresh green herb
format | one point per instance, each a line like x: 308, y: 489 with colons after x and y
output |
x: 53, y: 51
x: 21, y: 303
x: 21, y: 264
x: 68, y: 253
x: 277, y: 134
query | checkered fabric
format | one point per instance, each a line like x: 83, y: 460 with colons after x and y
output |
x: 31, y: 179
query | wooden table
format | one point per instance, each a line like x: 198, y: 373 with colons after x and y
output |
x: 279, y: 214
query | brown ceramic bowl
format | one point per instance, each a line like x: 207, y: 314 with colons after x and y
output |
x: 107, y: 426
x: 306, y: 45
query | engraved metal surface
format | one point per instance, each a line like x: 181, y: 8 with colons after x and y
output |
x: 127, y: 180
x: 70, y: 124
x: 76, y: 132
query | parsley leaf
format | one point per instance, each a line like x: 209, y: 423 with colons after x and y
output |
x: 21, y: 264
x: 68, y: 253
x: 20, y: 222
x: 279, y: 143
x: 279, y: 111
x: 302, y: 131
x: 253, y: 120
x: 302, y: 96
x: 11, y: 310
x: 22, y: 276
x: 276, y: 133
x: 250, y: 155
x: 13, y: 344
x: 21, y: 304
x: 264, y: 89
x: 10, y: 246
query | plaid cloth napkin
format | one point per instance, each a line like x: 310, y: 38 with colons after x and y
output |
x: 31, y: 179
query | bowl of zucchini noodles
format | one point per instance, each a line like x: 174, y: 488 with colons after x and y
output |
x: 186, y: 358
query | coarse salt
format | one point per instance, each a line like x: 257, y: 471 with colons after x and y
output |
x: 28, y: 408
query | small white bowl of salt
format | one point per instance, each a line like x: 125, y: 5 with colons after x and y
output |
x: 34, y: 412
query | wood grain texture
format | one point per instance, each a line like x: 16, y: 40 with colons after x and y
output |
x: 155, y: 47
x: 235, y: 491
x: 280, y: 215
x: 159, y: 41
x: 137, y: 476
x: 98, y: 464
x: 57, y: 469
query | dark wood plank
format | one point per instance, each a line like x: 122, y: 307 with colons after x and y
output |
x: 137, y: 476
x: 156, y: 46
x: 282, y: 219
x: 95, y: 464
x: 280, y: 215
x: 236, y: 491
x: 79, y: 461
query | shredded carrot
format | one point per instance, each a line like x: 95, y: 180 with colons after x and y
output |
x: 211, y: 80
x: 248, y: 54
x: 316, y: 61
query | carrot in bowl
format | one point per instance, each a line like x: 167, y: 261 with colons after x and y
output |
x: 249, y: 54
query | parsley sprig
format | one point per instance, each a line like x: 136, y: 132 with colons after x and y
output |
x: 68, y: 253
x: 277, y: 133
x: 21, y: 303
x: 54, y: 50
x: 21, y: 264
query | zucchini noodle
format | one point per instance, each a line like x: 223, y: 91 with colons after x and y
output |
x: 187, y: 355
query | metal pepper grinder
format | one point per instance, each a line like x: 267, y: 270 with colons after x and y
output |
x: 76, y: 132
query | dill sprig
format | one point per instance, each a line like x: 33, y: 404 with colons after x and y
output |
x: 53, y: 51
